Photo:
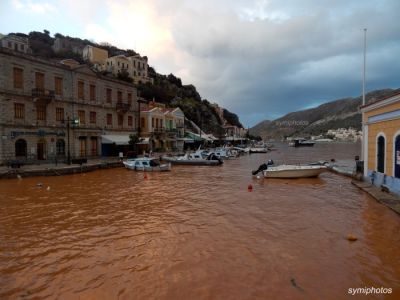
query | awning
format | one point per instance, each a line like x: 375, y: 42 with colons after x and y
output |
x: 115, y: 139
x: 143, y: 141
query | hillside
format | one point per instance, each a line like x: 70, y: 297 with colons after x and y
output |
x: 341, y: 113
x: 167, y: 89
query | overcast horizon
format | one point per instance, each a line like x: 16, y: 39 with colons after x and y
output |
x: 258, y: 59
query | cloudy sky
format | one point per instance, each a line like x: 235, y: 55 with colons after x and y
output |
x: 258, y: 58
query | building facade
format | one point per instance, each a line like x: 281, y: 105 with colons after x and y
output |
x: 162, y: 128
x: 51, y: 111
x: 95, y: 56
x: 381, y: 142
x: 139, y: 69
x: 15, y: 43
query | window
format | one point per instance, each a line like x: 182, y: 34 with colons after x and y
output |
x: 109, y: 95
x: 10, y: 45
x: 19, y: 111
x: 142, y: 122
x: 120, y: 120
x: 81, y: 88
x: 59, y: 114
x: 109, y: 119
x: 20, y: 148
x: 380, y: 159
x: 152, y: 122
x: 92, y: 92
x: 93, y: 146
x: 81, y: 116
x: 92, y: 117
x: 130, y: 121
x: 119, y: 98
x: 130, y: 99
x: 18, y: 78
x: 60, y: 145
x: 22, y: 47
x: 58, y: 85
x: 41, y: 112
x: 39, y: 80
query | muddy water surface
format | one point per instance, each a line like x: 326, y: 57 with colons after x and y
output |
x: 196, y: 233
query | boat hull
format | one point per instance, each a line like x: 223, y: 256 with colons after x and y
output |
x: 191, y: 162
x: 293, y: 171
x: 161, y: 168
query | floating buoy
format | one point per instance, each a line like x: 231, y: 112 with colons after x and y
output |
x: 19, y: 176
x: 258, y: 177
x: 145, y: 175
x: 48, y: 188
x: 39, y: 184
x: 249, y: 187
x: 351, y: 238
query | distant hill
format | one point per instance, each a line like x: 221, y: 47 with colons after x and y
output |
x: 341, y: 113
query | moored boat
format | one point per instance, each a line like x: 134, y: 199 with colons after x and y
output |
x: 148, y: 164
x: 194, y: 159
x: 290, y: 171
x: 301, y: 143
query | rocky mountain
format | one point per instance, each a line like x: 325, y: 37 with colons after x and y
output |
x: 341, y: 113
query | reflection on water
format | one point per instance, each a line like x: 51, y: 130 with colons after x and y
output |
x: 196, y: 233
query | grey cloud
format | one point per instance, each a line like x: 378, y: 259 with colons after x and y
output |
x: 265, y: 66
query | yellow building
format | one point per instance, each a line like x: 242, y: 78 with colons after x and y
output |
x: 381, y: 144
x: 96, y: 56
x: 118, y: 64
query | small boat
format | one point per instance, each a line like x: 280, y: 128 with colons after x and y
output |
x: 301, y: 143
x: 148, y: 164
x: 194, y: 159
x: 290, y: 171
x: 258, y: 150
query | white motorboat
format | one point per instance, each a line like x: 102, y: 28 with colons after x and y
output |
x: 293, y: 171
x: 195, y: 159
x: 148, y: 164
x: 258, y: 150
x: 290, y: 171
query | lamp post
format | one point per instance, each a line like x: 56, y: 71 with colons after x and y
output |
x: 363, y: 125
x: 68, y: 152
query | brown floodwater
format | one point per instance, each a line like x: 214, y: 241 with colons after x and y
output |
x: 196, y: 233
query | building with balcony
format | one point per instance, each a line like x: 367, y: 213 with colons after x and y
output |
x: 162, y: 128
x: 118, y: 64
x: 139, y: 69
x: 15, y: 43
x: 40, y: 99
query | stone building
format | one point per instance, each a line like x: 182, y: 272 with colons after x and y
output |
x: 62, y: 44
x: 49, y: 110
x: 16, y: 43
x: 139, y: 69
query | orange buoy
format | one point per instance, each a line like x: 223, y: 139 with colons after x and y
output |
x: 351, y: 238
x: 249, y: 187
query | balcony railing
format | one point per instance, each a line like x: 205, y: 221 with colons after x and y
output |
x: 42, y: 96
x: 122, y: 107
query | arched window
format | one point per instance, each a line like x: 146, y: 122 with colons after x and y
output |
x: 20, y: 148
x: 60, y: 145
x: 380, y: 159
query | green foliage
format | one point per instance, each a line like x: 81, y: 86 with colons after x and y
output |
x: 124, y: 75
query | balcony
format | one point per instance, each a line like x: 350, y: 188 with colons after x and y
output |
x: 122, y: 107
x: 42, y: 96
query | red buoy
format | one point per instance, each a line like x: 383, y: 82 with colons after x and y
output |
x: 145, y: 175
x: 249, y: 187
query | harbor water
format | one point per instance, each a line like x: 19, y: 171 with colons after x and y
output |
x: 197, y: 233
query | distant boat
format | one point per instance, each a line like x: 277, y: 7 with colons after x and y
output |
x: 301, y: 143
x: 148, y: 164
x: 258, y: 150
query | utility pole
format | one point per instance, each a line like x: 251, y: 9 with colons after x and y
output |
x: 364, y: 127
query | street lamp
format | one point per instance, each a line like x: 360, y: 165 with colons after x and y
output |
x: 72, y: 122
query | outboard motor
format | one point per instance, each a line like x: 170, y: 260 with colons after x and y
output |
x: 263, y: 167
